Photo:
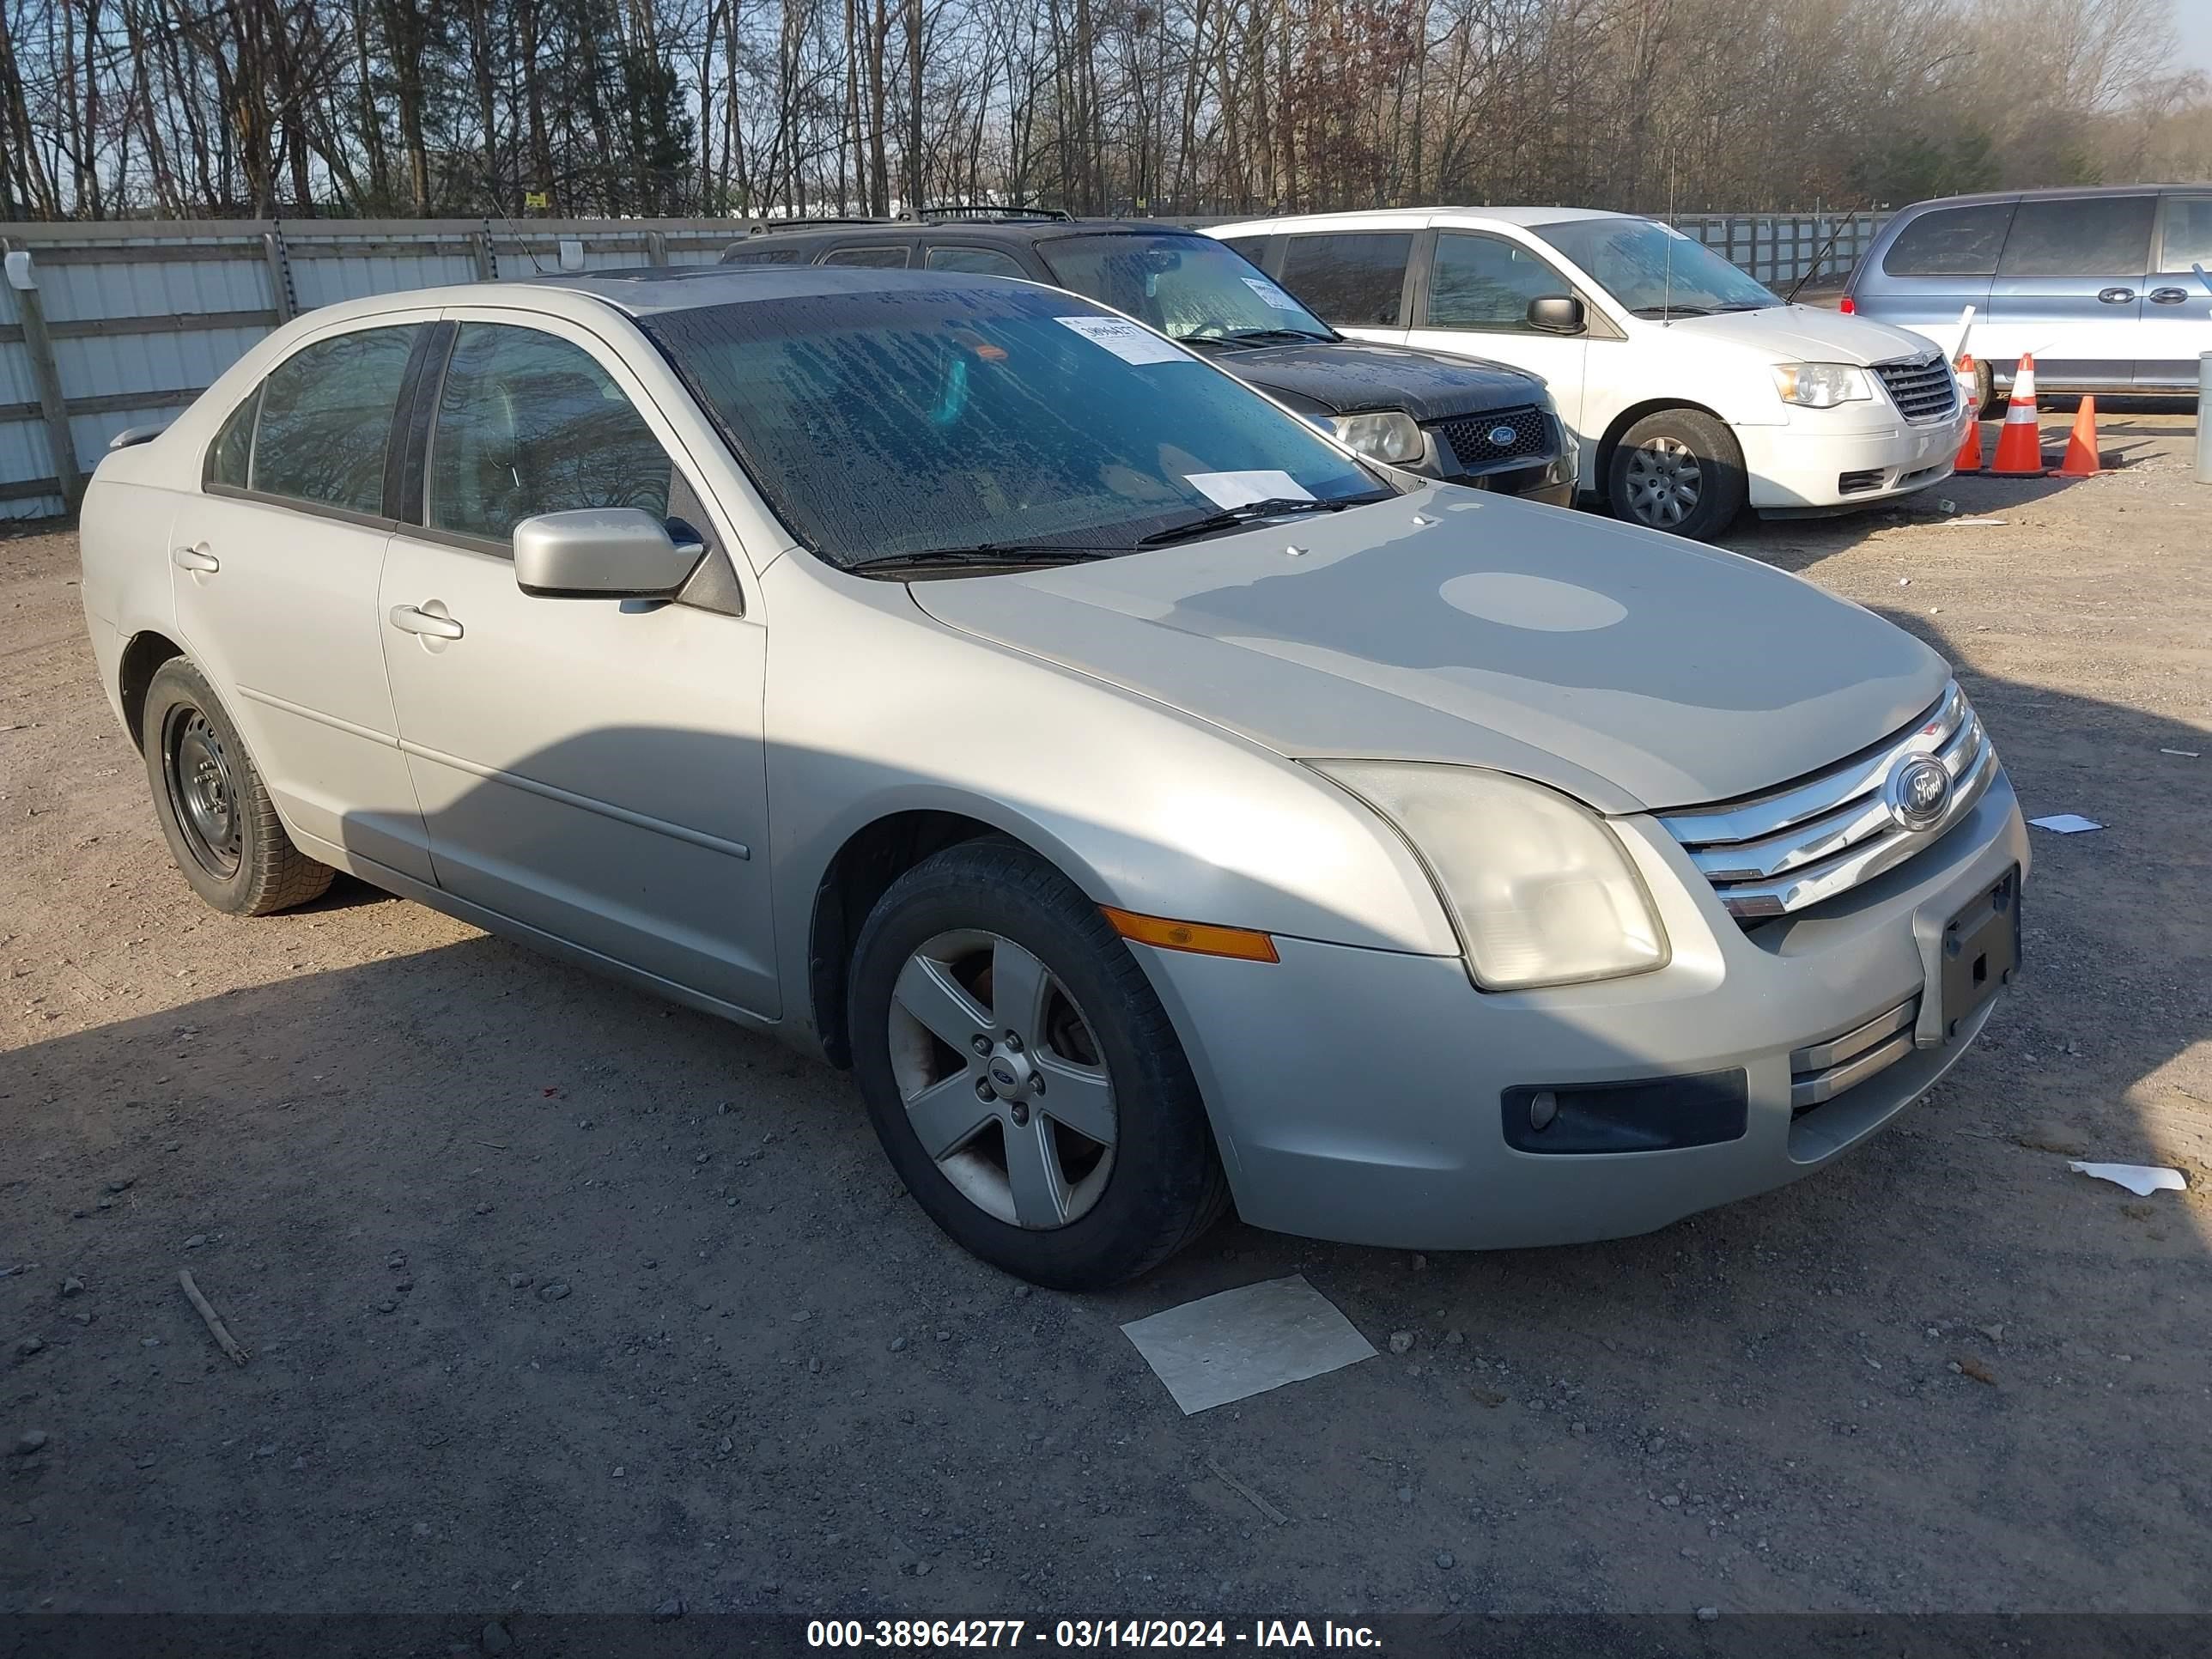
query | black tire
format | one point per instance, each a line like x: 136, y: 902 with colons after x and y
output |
x: 1692, y: 444
x: 1990, y: 403
x: 252, y: 868
x: 1165, y: 1185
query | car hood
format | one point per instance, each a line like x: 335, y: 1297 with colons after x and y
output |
x: 1631, y: 669
x: 1806, y: 334
x: 1350, y: 377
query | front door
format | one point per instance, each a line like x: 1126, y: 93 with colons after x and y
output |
x: 2070, y: 289
x: 274, y: 567
x: 1477, y: 304
x: 591, y: 768
x: 2177, y: 313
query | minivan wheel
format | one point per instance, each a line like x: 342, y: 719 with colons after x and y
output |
x: 1678, y: 471
x: 1021, y: 1075
x: 213, y: 810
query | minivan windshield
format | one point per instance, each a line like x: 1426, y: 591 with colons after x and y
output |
x: 1654, y: 271
x: 1189, y: 287
x: 989, y: 418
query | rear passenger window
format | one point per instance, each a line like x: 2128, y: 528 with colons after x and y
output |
x: 326, y: 416
x: 1356, y: 278
x: 528, y: 424
x: 2187, y: 233
x: 890, y: 259
x: 231, y: 454
x: 982, y: 261
x: 1950, y: 242
x: 2080, y: 236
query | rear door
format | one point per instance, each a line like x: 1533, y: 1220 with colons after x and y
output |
x: 1354, y: 280
x: 1475, y: 302
x: 2070, y: 289
x: 2176, y: 313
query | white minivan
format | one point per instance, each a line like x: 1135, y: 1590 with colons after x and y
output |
x: 1695, y: 391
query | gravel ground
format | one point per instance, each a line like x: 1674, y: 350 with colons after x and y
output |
x: 560, y: 1299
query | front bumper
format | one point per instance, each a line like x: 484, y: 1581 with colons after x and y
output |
x: 1356, y: 1094
x: 1803, y: 468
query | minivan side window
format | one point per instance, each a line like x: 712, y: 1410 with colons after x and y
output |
x: 327, y: 418
x: 980, y: 261
x: 1355, y: 278
x: 1951, y: 242
x: 890, y: 259
x: 2187, y: 233
x: 2080, y: 236
x: 528, y: 423
x: 1487, y: 282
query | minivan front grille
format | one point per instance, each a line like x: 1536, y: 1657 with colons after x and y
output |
x: 1477, y: 443
x: 1923, y: 389
x: 1769, y: 855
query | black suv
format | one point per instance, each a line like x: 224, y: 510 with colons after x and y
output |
x: 1474, y: 422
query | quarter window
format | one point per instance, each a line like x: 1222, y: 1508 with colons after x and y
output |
x: 2187, y: 233
x: 1950, y: 242
x: 1483, y: 283
x: 1356, y: 279
x: 326, y: 419
x: 2080, y: 236
x: 528, y: 424
x: 890, y: 258
x: 230, y: 457
x: 982, y: 261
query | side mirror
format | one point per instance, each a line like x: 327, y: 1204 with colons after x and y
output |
x: 601, y: 553
x: 1557, y: 314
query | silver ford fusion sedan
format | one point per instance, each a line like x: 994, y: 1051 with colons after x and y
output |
x: 1155, y: 805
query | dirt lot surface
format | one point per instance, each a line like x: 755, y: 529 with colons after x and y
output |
x: 560, y: 1299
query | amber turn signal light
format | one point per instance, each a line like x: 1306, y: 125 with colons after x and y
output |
x: 1197, y: 937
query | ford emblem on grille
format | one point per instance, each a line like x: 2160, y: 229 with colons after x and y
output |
x: 1919, y: 790
x: 1501, y: 435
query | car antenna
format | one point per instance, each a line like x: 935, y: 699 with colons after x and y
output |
x: 1666, y: 294
x: 1805, y: 275
x: 507, y: 220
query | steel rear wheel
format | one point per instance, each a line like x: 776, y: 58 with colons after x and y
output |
x: 1679, y: 470
x: 1021, y: 1075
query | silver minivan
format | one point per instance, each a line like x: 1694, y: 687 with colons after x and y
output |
x: 2104, y: 288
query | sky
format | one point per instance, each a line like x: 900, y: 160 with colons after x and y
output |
x: 2192, y: 21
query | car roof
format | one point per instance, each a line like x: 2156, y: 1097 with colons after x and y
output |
x: 2075, y: 192
x: 1012, y: 232
x: 647, y: 292
x: 1422, y: 215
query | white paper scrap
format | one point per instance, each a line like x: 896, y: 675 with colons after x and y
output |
x: 1243, y: 488
x: 1239, y: 1343
x: 1273, y: 295
x: 1968, y: 522
x: 2140, y: 1179
x: 2066, y: 823
x: 1126, y: 340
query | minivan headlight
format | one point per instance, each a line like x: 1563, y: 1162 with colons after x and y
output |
x: 1822, y: 385
x: 1392, y: 436
x: 1538, y: 887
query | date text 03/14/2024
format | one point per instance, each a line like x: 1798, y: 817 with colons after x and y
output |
x: 1087, y: 1633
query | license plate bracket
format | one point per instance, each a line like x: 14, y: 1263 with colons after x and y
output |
x: 1980, y: 951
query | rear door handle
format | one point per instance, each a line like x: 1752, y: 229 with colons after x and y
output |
x: 2116, y: 296
x: 2168, y: 296
x: 194, y: 558
x: 408, y: 620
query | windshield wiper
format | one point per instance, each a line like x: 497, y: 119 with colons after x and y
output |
x: 1661, y: 312
x: 983, y: 553
x: 1277, y: 334
x: 1253, y: 511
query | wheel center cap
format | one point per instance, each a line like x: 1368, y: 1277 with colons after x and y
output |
x: 1007, y: 1074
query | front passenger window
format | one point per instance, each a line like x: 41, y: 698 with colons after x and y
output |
x: 528, y: 423
x: 1484, y: 283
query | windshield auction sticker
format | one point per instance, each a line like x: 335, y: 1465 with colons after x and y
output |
x: 1273, y: 295
x: 1126, y: 340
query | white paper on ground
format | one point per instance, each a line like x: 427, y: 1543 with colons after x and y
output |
x: 1243, y: 488
x: 1977, y: 521
x: 1239, y: 1343
x: 1126, y: 340
x: 2140, y: 1179
x: 1273, y: 295
x: 2066, y: 823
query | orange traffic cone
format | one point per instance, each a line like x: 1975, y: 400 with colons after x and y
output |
x: 1970, y: 451
x: 2019, y: 445
x: 2081, y: 460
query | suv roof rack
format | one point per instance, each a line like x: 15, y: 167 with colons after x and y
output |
x: 811, y: 220
x: 1011, y: 211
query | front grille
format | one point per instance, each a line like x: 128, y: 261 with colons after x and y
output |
x: 1820, y: 1072
x: 1769, y: 855
x: 1924, y: 390
x: 1476, y: 451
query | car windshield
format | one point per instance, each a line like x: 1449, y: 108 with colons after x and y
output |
x: 1189, y: 287
x: 1654, y: 271
x: 986, y: 416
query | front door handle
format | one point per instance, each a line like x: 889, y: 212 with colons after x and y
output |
x: 408, y: 620
x: 194, y: 558
x: 2116, y: 296
x: 2168, y: 296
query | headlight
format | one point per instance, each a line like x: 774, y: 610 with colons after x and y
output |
x: 1536, y: 885
x: 1822, y: 385
x: 1391, y: 437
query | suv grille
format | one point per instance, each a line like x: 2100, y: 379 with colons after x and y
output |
x: 1923, y: 389
x: 1767, y: 855
x: 1476, y: 452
